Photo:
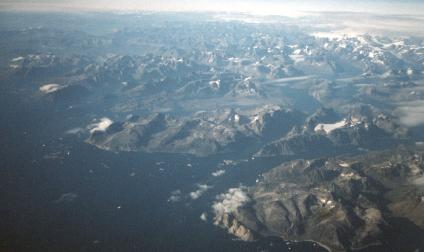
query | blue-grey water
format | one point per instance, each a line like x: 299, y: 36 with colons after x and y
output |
x: 61, y: 194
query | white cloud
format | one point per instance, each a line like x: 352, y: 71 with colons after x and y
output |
x: 230, y: 201
x: 202, y: 188
x: 218, y: 173
x: 204, y: 217
x: 50, y: 88
x: 175, y: 196
x: 20, y: 58
x: 67, y: 197
x: 285, y: 8
x: 100, y: 126
x: 75, y: 131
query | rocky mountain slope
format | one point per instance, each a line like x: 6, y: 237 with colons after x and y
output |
x: 201, y: 135
x: 345, y: 203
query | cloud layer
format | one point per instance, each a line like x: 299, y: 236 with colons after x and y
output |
x: 411, y: 114
x: 270, y: 7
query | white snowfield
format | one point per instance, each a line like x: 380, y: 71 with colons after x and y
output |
x: 330, y: 127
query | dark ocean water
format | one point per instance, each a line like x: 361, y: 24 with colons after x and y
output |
x: 61, y: 194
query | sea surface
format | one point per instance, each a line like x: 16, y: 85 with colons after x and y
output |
x: 59, y: 193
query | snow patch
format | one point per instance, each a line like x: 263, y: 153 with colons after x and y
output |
x: 236, y: 118
x: 344, y: 165
x: 216, y: 84
x: 330, y: 127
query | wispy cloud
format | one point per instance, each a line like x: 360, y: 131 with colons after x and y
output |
x: 202, y: 188
x: 66, y: 198
x: 175, y: 196
x: 411, y: 114
x: 265, y: 7
x: 218, y: 173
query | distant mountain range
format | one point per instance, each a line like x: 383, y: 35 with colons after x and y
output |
x: 251, y: 90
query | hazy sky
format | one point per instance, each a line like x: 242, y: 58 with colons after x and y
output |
x: 282, y: 7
